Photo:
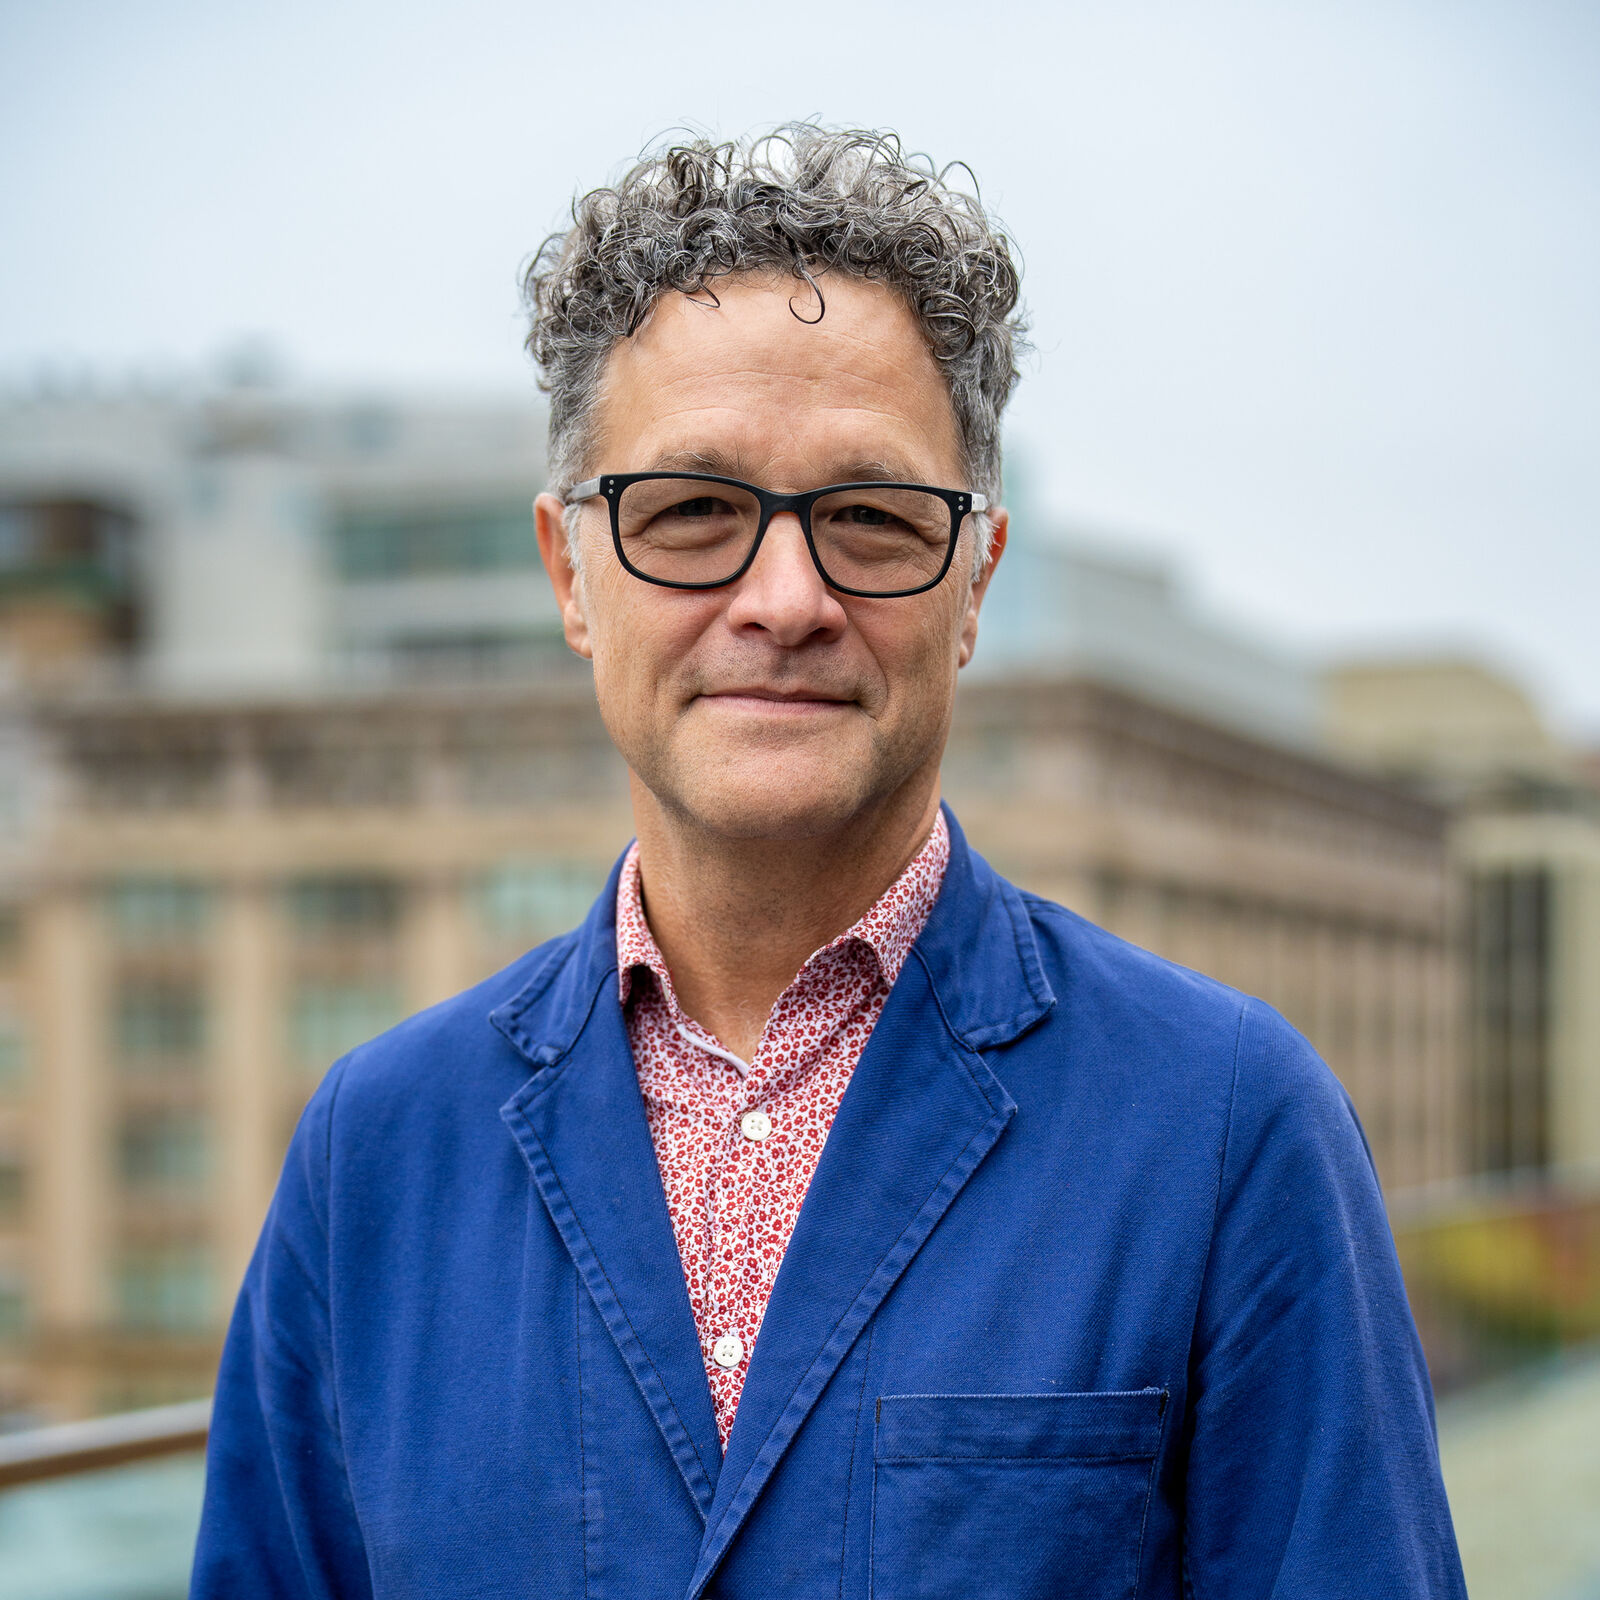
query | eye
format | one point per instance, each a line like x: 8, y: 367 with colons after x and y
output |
x: 704, y: 506
x: 867, y: 516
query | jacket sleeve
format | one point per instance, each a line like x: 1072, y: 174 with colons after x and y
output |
x: 278, y: 1518
x: 1313, y: 1465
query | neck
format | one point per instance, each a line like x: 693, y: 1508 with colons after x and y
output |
x: 736, y: 919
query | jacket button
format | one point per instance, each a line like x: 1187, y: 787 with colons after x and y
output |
x: 728, y: 1351
x: 755, y: 1125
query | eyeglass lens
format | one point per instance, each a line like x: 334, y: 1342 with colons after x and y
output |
x: 876, y: 540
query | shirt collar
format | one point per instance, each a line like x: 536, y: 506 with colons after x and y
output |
x: 889, y: 927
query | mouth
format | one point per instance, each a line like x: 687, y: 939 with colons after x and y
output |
x: 761, y: 701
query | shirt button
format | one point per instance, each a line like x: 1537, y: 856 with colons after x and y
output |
x: 728, y: 1351
x: 755, y: 1125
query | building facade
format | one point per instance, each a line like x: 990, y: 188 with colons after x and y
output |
x: 290, y: 747
x: 244, y: 540
x: 230, y: 896
x: 1525, y: 843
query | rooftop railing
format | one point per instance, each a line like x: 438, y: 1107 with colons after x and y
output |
x: 74, y: 1447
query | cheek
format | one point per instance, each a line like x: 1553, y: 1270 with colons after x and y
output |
x: 916, y: 656
x: 620, y: 644
x: 644, y: 639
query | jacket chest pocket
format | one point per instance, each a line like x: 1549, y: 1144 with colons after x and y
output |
x: 1030, y: 1497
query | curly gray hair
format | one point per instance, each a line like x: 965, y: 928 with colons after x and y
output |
x: 803, y: 199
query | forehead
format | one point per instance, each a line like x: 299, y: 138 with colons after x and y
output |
x: 758, y: 379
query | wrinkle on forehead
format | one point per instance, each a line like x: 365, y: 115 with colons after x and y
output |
x: 748, y: 379
x: 736, y: 463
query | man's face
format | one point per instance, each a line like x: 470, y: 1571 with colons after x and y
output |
x: 772, y: 707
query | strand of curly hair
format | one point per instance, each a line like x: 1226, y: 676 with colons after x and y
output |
x: 802, y: 199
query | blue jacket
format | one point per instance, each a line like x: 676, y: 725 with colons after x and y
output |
x: 1092, y: 1296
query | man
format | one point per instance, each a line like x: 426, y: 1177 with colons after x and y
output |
x: 825, y: 1216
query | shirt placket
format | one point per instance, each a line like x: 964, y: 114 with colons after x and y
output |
x: 791, y: 1049
x: 725, y: 1339
x: 735, y: 1187
x: 733, y: 1243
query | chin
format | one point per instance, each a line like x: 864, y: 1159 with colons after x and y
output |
x: 794, y: 786
x: 765, y: 791
x: 768, y: 810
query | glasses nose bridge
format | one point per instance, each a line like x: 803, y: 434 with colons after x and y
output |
x: 797, y: 506
x: 778, y: 505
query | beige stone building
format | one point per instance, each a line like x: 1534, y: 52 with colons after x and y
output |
x: 221, y: 898
x: 1325, y: 893
x: 1525, y: 838
x: 290, y: 747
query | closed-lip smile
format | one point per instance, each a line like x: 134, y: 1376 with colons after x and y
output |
x: 777, y: 700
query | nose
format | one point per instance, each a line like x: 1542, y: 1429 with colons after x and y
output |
x: 782, y: 594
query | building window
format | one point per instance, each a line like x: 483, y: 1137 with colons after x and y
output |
x: 13, y: 1306
x: 79, y: 546
x: 346, y: 905
x: 477, y: 653
x: 13, y: 1190
x: 146, y: 909
x: 370, y: 428
x: 164, y: 1150
x: 403, y: 543
x: 329, y: 1016
x: 536, y: 899
x: 159, y: 1022
x: 13, y: 810
x: 1512, y: 958
x: 166, y: 1288
x: 131, y: 768
x: 11, y: 1054
x: 16, y: 536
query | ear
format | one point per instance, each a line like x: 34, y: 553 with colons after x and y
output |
x: 549, y: 521
x: 999, y: 521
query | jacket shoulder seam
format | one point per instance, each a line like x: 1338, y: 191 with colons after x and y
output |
x: 337, y: 1074
x: 1190, y: 1590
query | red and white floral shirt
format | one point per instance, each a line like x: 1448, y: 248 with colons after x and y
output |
x: 738, y: 1142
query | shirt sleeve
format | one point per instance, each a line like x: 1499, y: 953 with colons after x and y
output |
x: 1313, y: 1464
x: 278, y: 1518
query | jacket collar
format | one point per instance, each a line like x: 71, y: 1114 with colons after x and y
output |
x: 984, y: 1003
x: 922, y: 1111
x: 997, y: 997
x: 580, y: 1123
x: 546, y: 1015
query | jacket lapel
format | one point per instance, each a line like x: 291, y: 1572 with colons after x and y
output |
x: 581, y: 1126
x: 922, y: 1111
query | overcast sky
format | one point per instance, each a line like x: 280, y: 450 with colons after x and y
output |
x: 1315, y: 286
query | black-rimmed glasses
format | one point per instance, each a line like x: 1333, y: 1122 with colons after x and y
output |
x: 694, y: 530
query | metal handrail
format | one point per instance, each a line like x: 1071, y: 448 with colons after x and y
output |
x: 72, y: 1447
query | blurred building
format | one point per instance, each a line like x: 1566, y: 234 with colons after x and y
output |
x: 1526, y: 838
x: 233, y: 894
x: 292, y: 749
x: 1072, y: 604
x: 229, y: 540
x: 1326, y: 893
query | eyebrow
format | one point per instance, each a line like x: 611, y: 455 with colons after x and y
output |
x: 715, y: 461
x: 723, y: 465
